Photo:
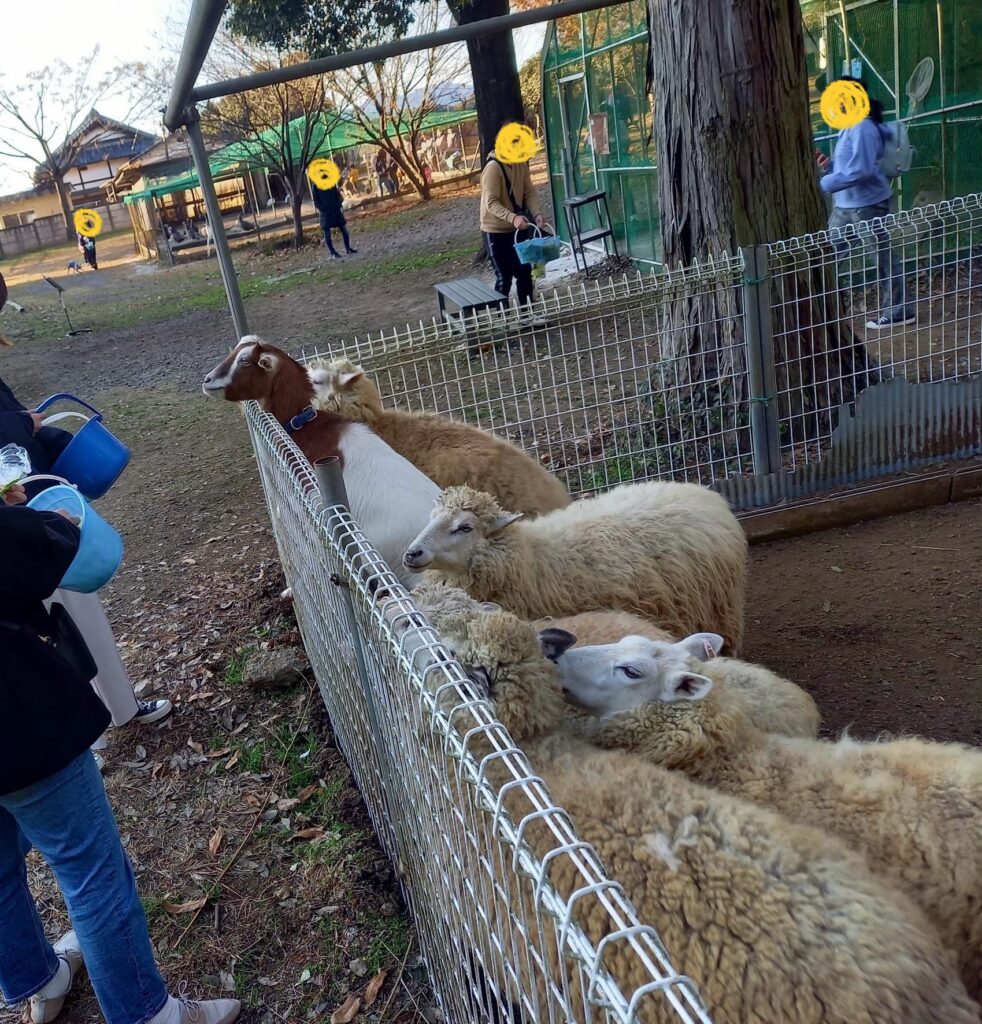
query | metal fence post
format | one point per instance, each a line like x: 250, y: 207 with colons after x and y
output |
x: 331, y: 484
x: 215, y: 224
x: 761, y: 371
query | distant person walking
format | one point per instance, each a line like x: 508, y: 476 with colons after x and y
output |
x: 328, y: 203
x: 861, y: 192
x: 86, y: 246
x: 508, y: 205
x: 382, y: 172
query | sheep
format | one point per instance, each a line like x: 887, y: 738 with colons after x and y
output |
x: 774, y: 922
x: 673, y: 553
x: 772, y: 703
x: 389, y: 497
x: 913, y: 807
x: 447, y: 452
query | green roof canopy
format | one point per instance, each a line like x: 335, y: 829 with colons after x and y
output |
x: 249, y: 153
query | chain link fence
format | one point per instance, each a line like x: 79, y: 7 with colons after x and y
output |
x: 500, y: 941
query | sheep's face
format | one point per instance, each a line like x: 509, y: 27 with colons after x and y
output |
x: 452, y: 538
x: 611, y: 678
x: 247, y: 372
x: 342, y: 387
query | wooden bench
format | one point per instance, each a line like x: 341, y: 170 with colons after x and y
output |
x: 468, y: 294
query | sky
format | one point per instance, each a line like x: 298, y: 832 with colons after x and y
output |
x: 124, y: 30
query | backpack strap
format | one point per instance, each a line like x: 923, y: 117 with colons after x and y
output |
x: 511, y: 195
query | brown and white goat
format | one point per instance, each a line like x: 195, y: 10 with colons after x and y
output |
x: 390, y: 498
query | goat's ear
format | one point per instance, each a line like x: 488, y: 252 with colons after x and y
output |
x: 504, y: 521
x: 347, y: 379
x: 554, y: 642
x: 268, y: 362
x: 702, y: 646
x: 489, y: 606
x: 689, y: 686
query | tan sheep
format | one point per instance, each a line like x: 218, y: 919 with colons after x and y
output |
x: 446, y: 451
x: 673, y: 553
x: 775, y: 923
x: 914, y: 808
x: 772, y: 703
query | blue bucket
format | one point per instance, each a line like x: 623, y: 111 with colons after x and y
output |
x: 100, y: 551
x: 94, y: 458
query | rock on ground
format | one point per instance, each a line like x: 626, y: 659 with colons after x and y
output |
x: 276, y: 669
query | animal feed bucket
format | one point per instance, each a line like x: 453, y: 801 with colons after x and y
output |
x: 94, y: 458
x: 100, y: 550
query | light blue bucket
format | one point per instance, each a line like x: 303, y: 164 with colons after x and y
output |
x: 100, y: 551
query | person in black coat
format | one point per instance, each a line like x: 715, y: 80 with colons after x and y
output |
x: 328, y: 202
x: 52, y: 798
x: 22, y: 427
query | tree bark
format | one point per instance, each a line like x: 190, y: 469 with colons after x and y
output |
x: 736, y: 167
x: 296, y: 201
x: 66, y: 207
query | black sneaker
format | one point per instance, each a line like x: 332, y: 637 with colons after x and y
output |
x: 884, y: 323
x: 151, y: 711
x: 335, y: 255
x: 351, y: 252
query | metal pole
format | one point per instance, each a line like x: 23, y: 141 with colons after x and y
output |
x: 216, y: 228
x: 330, y: 481
x: 764, y: 427
x: 395, y: 48
x: 203, y: 23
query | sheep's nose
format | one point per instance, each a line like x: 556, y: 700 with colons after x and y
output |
x: 412, y: 555
x: 208, y: 377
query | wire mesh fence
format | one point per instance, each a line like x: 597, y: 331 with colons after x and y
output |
x: 738, y: 368
x: 501, y: 942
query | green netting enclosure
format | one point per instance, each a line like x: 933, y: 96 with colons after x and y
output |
x: 593, y: 88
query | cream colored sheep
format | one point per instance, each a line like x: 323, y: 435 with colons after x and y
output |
x: 914, y: 808
x: 446, y: 451
x: 776, y: 923
x: 673, y: 553
x: 772, y: 703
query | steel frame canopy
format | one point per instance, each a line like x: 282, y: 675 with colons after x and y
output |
x: 206, y: 16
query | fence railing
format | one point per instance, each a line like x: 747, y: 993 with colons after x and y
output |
x: 756, y: 372
x: 501, y: 943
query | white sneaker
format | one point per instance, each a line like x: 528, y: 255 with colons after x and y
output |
x: 46, y: 1004
x: 100, y: 761
x: 189, y: 1011
x: 148, y: 711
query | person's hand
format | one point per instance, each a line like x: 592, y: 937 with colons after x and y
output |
x: 38, y: 419
x: 540, y: 221
x: 823, y: 161
x: 67, y: 515
x: 15, y: 495
x: 521, y: 223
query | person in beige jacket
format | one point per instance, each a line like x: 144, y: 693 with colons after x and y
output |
x: 508, y: 204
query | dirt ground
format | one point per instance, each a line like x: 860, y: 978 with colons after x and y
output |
x: 880, y: 621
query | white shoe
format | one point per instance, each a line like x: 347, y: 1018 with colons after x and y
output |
x: 189, y: 1011
x: 100, y: 761
x: 47, y: 1003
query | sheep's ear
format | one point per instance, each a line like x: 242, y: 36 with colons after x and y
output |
x: 689, y: 686
x: 702, y: 646
x: 504, y: 521
x: 347, y: 379
x: 554, y: 642
x: 489, y: 606
x: 268, y: 362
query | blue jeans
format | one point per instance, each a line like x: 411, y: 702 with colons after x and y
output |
x: 68, y: 819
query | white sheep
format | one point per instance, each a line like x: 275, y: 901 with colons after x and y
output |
x: 673, y: 553
x: 914, y: 808
x: 774, y: 922
x: 446, y: 451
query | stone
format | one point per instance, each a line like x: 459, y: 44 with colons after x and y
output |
x: 275, y: 670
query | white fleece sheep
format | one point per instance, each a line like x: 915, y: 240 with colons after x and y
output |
x: 771, y: 702
x: 673, y: 553
x: 446, y: 451
x: 775, y: 923
x: 914, y: 808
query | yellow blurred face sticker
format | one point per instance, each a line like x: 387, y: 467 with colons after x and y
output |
x: 515, y: 144
x: 88, y: 223
x: 324, y: 173
x: 844, y: 105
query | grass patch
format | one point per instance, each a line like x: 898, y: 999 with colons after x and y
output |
x: 390, y: 941
x: 235, y: 667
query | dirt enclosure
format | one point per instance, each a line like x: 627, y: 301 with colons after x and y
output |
x: 879, y: 621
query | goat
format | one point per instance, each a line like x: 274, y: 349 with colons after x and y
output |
x: 389, y: 497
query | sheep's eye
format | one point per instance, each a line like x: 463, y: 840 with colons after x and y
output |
x: 631, y: 673
x: 463, y: 528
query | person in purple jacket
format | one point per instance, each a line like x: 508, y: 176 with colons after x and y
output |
x: 860, y: 191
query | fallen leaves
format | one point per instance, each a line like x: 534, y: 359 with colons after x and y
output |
x: 347, y: 1011
x: 216, y: 841
x: 185, y: 908
x: 373, y: 988
x: 308, y: 833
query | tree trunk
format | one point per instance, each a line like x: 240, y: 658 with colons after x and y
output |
x: 296, y: 201
x: 736, y: 168
x: 66, y: 207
